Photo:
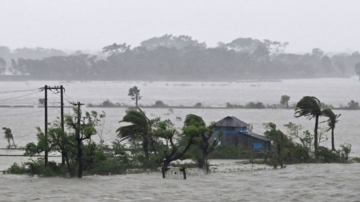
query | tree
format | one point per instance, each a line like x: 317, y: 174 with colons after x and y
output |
x: 357, y: 69
x: 309, y: 107
x: 179, y: 143
x: 83, y: 131
x: 140, y: 129
x: 332, y: 121
x: 305, y: 137
x: 57, y: 140
x: 134, y: 93
x: 353, y: 105
x: 279, y: 140
x: 9, y: 136
x: 2, y: 65
x: 116, y: 48
x: 204, y: 140
x: 285, y: 100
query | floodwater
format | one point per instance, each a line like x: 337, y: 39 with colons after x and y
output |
x: 304, y: 182
x: 310, y: 182
x: 23, y: 121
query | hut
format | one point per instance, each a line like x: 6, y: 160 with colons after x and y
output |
x: 236, y: 132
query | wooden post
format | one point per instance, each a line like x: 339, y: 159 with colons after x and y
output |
x: 79, y: 143
x: 46, y: 125
x: 183, y: 169
x: 62, y: 118
x: 78, y: 139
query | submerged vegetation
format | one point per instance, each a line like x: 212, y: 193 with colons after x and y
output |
x: 145, y: 144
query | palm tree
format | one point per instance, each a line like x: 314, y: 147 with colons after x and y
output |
x: 9, y: 136
x: 332, y: 120
x: 140, y: 128
x: 134, y: 93
x: 309, y: 107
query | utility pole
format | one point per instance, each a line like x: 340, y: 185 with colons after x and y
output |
x: 46, y: 88
x: 62, y: 89
x: 46, y: 125
x: 78, y: 139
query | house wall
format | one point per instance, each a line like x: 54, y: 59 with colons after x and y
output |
x: 233, y: 137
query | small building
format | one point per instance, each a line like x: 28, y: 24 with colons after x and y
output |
x: 236, y: 132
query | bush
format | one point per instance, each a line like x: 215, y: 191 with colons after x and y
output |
x: 229, y: 105
x: 198, y: 105
x: 37, y: 167
x: 160, y: 103
x: 253, y: 105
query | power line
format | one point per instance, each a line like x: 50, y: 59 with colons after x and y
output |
x: 68, y: 98
x: 18, y: 96
x: 16, y: 91
x: 22, y: 113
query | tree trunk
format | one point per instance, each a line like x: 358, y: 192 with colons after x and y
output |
x: 164, y: 168
x: 79, y: 156
x: 146, y: 149
x: 332, y: 139
x: 201, y: 162
x: 68, y: 164
x: 136, y: 100
x: 316, y: 135
x: 13, y: 142
x: 287, y: 105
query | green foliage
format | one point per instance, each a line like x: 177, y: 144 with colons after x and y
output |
x: 134, y: 91
x: 310, y: 107
x: 198, y: 105
x: 9, y: 137
x: 255, y: 105
x: 17, y: 169
x: 285, y: 100
x: 31, y: 149
x: 203, y: 139
x: 160, y: 103
x: 107, y: 103
x: 229, y: 105
x: 353, y: 105
x: 41, y: 101
x: 37, y: 167
x: 305, y: 137
x: 345, y: 151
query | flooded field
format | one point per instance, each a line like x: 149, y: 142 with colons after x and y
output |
x: 310, y: 182
x: 304, y: 182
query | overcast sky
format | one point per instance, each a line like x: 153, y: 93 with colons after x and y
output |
x: 333, y: 26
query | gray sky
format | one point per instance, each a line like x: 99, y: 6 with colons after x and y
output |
x: 333, y: 26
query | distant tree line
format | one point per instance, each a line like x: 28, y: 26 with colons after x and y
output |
x: 179, y: 57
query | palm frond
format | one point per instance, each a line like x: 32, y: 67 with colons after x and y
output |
x: 309, y: 107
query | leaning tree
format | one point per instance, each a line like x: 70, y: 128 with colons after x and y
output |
x: 310, y: 107
x: 332, y: 121
x: 139, y: 128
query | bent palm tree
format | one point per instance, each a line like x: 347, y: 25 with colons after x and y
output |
x: 140, y: 128
x: 9, y: 136
x: 309, y: 107
x: 332, y: 121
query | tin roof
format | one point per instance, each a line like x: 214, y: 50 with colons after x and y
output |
x: 231, y: 121
x: 257, y: 136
